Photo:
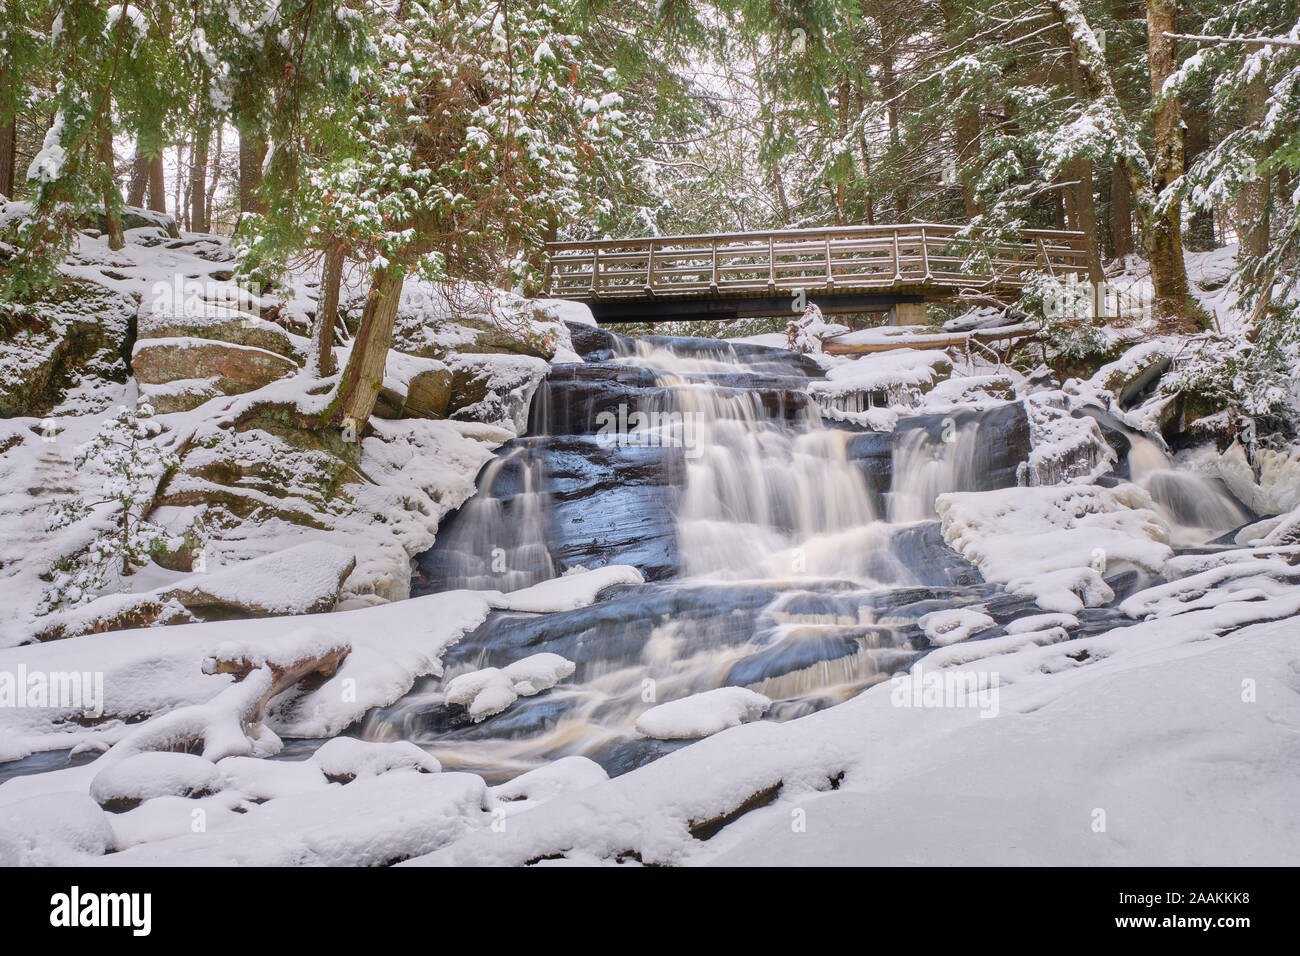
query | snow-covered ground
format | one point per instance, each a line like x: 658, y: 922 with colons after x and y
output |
x: 1169, y: 736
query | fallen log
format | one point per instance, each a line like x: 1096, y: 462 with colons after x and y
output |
x: 941, y: 340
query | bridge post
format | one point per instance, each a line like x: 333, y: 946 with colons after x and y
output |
x: 907, y: 313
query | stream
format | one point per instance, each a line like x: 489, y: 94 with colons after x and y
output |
x: 783, y: 551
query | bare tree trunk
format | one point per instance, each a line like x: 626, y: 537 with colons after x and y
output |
x: 157, y: 184
x: 1121, y: 214
x: 890, y: 84
x: 868, y: 202
x: 112, y: 198
x: 1253, y: 198
x: 1164, y: 239
x: 216, y: 178
x: 180, y: 165
x: 198, y: 189
x: 251, y: 156
x: 328, y: 310
x: 1196, y: 140
x: 139, y: 183
x: 1086, y: 207
x: 364, y: 374
x: 968, y: 133
x: 8, y: 156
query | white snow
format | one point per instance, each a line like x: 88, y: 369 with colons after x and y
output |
x: 1057, y: 542
x: 144, y: 776
x: 954, y: 624
x: 700, y: 715
x: 491, y: 690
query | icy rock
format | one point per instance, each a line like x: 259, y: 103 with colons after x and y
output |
x: 344, y: 759
x: 701, y: 715
x: 954, y: 624
x: 491, y: 690
x: 126, y: 784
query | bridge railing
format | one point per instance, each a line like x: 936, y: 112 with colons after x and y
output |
x: 839, y: 259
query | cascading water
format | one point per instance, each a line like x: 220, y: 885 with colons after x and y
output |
x: 1196, y: 507
x: 782, y: 555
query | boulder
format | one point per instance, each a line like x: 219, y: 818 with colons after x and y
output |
x: 304, y: 579
x: 234, y: 368
x: 180, y: 395
x: 220, y: 324
x: 77, y: 331
x: 133, y: 217
x: 124, y: 785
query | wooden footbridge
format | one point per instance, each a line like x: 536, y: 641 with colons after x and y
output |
x: 841, y: 269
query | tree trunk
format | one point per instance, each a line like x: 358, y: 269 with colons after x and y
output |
x: 1196, y: 140
x: 112, y: 198
x: 328, y: 310
x: 1084, y: 199
x: 1164, y: 238
x: 216, y: 179
x: 1161, y: 227
x: 1121, y: 214
x: 1252, y: 199
x: 868, y: 201
x: 157, y: 184
x: 139, y: 183
x: 968, y: 132
x: 252, y: 153
x: 364, y: 375
x: 199, y: 172
x: 8, y: 156
x: 1086, y: 213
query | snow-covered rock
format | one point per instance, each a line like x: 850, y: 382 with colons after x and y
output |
x: 54, y: 829
x: 123, y: 785
x: 1057, y: 542
x: 491, y: 690
x: 304, y: 579
x: 347, y: 758
x: 234, y: 368
x: 704, y: 714
x: 954, y: 624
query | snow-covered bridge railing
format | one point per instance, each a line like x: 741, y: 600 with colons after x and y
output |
x: 844, y: 268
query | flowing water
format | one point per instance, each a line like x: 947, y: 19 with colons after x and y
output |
x: 783, y: 553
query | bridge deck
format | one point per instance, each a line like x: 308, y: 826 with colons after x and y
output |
x: 849, y: 268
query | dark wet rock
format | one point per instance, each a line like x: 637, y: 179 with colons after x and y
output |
x: 1001, y: 444
x: 803, y: 647
x: 596, y: 344
x: 1116, y: 435
x: 922, y: 550
x: 626, y: 755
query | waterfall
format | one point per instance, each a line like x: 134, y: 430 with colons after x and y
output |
x: 1198, y: 508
